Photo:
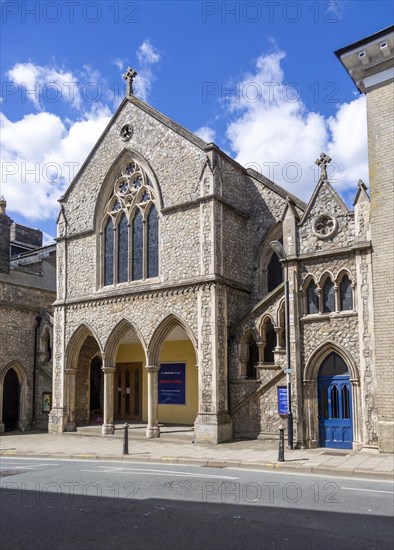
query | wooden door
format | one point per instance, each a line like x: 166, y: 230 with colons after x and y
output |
x: 128, y: 391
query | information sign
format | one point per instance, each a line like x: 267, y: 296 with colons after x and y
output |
x: 172, y: 378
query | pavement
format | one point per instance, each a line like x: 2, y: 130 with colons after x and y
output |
x: 175, y: 446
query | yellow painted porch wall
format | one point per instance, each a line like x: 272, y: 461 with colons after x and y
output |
x: 177, y: 351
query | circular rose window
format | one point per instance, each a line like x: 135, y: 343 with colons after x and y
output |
x: 126, y: 132
x: 325, y: 226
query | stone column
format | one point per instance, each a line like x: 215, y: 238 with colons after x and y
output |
x: 70, y: 389
x: 244, y: 367
x: 213, y: 423
x: 279, y: 331
x: 153, y: 429
x: 109, y: 379
x: 261, y: 348
x: 337, y: 299
x: 320, y: 296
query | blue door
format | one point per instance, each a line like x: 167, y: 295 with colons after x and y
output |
x: 335, y: 404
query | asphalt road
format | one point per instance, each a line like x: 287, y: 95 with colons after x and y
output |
x: 64, y: 504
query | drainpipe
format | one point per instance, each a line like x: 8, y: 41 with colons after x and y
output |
x: 38, y: 323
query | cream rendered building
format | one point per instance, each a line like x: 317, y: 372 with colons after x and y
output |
x: 170, y: 300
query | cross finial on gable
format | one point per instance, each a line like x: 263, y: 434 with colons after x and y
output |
x: 322, y: 161
x: 129, y: 76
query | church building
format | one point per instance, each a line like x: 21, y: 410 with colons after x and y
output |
x: 191, y: 290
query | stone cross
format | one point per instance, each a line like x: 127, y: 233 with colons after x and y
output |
x: 322, y: 162
x: 129, y: 76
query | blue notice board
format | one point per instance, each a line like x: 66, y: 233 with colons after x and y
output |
x: 282, y: 400
x: 172, y: 382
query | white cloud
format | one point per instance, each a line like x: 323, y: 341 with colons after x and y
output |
x: 118, y: 63
x: 206, y: 133
x: 147, y: 56
x: 40, y: 156
x: 45, y: 84
x: 272, y: 128
x: 348, y: 145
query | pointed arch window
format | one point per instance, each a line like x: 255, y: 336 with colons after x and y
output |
x: 253, y: 359
x: 274, y: 272
x: 130, y: 234
x: 109, y: 252
x: 270, y: 342
x: 312, y: 298
x: 345, y: 292
x: 328, y: 296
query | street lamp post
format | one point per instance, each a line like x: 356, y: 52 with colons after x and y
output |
x: 277, y: 247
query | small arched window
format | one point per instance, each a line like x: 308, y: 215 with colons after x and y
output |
x: 312, y: 298
x: 134, y: 253
x: 270, y: 342
x: 253, y: 359
x: 274, y: 272
x: 328, y: 296
x: 345, y: 292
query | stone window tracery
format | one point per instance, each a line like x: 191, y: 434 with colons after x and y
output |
x: 325, y: 226
x: 130, y: 228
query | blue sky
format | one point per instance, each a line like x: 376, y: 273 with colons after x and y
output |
x: 260, y: 79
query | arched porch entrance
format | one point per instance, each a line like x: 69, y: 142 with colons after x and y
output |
x: 172, y: 376
x: 124, y: 376
x: 83, y: 354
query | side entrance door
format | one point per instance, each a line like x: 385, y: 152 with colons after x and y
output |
x: 128, y: 391
x: 11, y: 401
x: 335, y: 412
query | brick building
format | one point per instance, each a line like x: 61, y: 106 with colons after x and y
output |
x: 27, y: 291
x: 171, y: 299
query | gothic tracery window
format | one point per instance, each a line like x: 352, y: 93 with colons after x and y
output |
x: 130, y: 228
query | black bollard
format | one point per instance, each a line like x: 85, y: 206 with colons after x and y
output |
x: 281, y: 455
x: 126, y: 439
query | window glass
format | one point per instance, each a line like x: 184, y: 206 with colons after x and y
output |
x: 313, y: 298
x: 109, y: 253
x: 270, y: 343
x: 137, y: 246
x: 333, y: 365
x: 123, y: 250
x: 346, y: 294
x: 328, y: 297
x: 133, y: 198
x: 253, y: 359
x: 274, y: 273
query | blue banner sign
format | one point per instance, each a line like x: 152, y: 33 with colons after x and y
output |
x: 282, y: 400
x: 172, y: 378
